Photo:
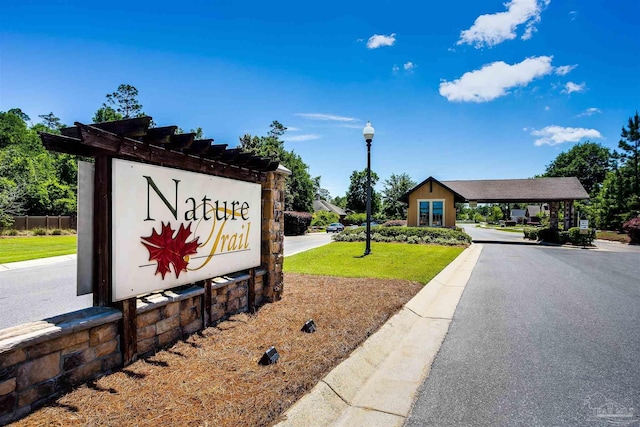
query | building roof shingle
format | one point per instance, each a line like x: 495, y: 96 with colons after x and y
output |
x: 519, y: 190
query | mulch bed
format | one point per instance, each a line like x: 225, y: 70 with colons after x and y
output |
x: 213, y: 378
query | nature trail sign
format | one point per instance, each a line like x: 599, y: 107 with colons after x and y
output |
x: 173, y: 227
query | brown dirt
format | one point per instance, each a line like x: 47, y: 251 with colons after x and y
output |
x: 213, y: 378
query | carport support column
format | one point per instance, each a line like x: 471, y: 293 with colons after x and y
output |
x: 554, y: 207
x: 568, y: 214
x: 272, y: 250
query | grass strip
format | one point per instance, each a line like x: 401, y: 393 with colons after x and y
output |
x: 13, y: 249
x: 418, y: 263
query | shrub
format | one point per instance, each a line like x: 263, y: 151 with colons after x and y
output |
x: 324, y: 218
x: 577, y: 238
x: 395, y: 223
x: 632, y: 228
x: 478, y: 218
x: 10, y: 232
x: 56, y: 232
x: 410, y: 234
x: 39, y: 231
x: 549, y: 235
x: 531, y: 233
x: 6, y: 221
x: 355, y: 219
x: 401, y: 238
x: 563, y: 237
x: 414, y: 239
x: 296, y: 223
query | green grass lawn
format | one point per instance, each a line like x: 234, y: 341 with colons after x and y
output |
x: 14, y: 249
x: 388, y: 260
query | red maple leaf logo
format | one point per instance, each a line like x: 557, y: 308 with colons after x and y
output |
x: 169, y: 250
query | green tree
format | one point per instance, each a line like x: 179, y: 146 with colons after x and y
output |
x: 106, y: 114
x: 121, y: 104
x: 51, y: 122
x: 320, y: 192
x: 394, y: 188
x: 630, y: 145
x: 340, y: 201
x: 20, y: 114
x: 495, y: 214
x: 13, y: 129
x: 357, y: 192
x: 299, y: 186
x: 589, y: 162
x: 125, y: 101
x: 33, y: 180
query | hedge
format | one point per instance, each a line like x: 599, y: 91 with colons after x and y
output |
x: 440, y: 236
x: 551, y: 235
x: 296, y: 223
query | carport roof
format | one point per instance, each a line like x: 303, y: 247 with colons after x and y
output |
x: 520, y: 190
x: 514, y: 190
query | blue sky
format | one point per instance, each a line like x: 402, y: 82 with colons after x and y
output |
x: 455, y: 90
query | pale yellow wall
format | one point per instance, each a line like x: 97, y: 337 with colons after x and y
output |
x: 432, y: 190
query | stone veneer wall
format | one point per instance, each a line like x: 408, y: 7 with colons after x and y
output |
x: 41, y: 359
x: 165, y: 317
x: 273, y: 233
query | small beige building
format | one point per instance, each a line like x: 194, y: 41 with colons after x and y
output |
x: 432, y: 204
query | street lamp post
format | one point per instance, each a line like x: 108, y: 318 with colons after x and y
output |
x: 367, y: 132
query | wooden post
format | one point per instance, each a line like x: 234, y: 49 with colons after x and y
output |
x: 207, y: 315
x: 102, y: 232
x: 251, y: 294
x: 128, y: 331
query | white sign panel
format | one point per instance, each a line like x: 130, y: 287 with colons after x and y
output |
x: 584, y: 224
x: 173, y: 227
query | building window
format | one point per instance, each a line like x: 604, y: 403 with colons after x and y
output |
x: 430, y: 213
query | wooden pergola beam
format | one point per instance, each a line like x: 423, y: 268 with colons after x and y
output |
x: 127, y: 148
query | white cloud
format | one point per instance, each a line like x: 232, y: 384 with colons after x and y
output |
x: 300, y: 138
x: 547, y: 108
x: 589, y: 112
x: 395, y: 69
x: 325, y: 117
x: 409, y: 66
x: 555, y: 135
x: 571, y: 87
x: 573, y: 14
x: 563, y: 70
x: 378, y: 40
x: 493, y: 29
x: 494, y: 80
x: 292, y: 129
x: 353, y: 126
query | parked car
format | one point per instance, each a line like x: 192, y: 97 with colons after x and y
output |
x: 335, y: 227
x: 373, y: 224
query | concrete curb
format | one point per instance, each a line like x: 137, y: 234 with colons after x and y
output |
x: 35, y: 262
x: 376, y: 384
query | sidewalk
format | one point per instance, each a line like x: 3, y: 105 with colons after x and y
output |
x: 376, y: 385
x: 35, y: 262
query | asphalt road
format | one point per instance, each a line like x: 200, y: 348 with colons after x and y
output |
x: 543, y: 336
x: 41, y: 291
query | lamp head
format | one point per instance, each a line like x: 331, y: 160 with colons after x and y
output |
x: 368, y: 132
